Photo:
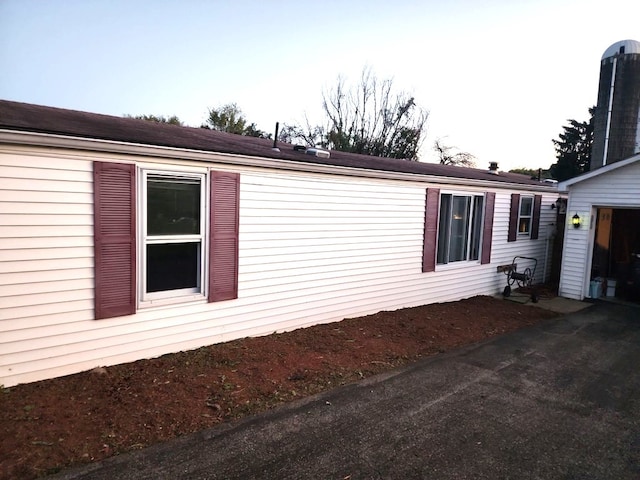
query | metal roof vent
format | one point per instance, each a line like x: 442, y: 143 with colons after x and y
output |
x: 317, y: 152
x: 493, y: 168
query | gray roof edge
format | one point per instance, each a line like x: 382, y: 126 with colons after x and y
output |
x: 23, y: 117
x: 563, y: 186
x: 47, y: 140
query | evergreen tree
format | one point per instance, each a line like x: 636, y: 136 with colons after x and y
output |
x: 573, y: 149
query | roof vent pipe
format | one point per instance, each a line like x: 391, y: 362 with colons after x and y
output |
x: 275, y: 138
x: 493, y: 168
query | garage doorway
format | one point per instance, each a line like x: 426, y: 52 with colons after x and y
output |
x: 616, y: 253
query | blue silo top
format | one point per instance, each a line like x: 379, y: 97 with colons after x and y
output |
x: 623, y: 46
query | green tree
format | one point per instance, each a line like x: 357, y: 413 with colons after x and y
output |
x: 173, y: 120
x: 532, y: 172
x: 307, y: 134
x: 370, y: 118
x: 573, y: 149
x: 229, y: 118
x: 449, y: 156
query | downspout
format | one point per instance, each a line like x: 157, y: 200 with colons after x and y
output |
x: 548, y: 237
x: 611, y: 92
x: 637, y: 148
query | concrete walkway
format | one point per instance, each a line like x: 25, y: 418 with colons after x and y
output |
x: 557, y: 401
x: 555, y: 304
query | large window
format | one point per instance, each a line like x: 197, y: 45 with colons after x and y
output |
x: 163, y: 237
x: 525, y: 215
x: 459, y: 228
x: 173, y: 235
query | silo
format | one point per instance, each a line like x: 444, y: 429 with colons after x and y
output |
x: 617, y: 116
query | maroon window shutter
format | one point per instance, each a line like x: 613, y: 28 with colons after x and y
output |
x: 114, y: 193
x: 535, y: 221
x: 224, y: 220
x: 513, y: 217
x: 430, y: 230
x: 487, y: 230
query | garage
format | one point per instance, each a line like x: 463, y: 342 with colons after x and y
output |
x: 601, y: 253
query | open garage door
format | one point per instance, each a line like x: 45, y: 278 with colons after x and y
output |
x: 616, y: 253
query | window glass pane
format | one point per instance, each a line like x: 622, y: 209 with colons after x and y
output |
x: 459, y: 228
x: 173, y: 266
x: 476, y: 228
x: 173, y: 205
x: 523, y: 226
x: 443, y: 229
x: 526, y: 204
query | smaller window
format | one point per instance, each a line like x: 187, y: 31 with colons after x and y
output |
x: 525, y: 216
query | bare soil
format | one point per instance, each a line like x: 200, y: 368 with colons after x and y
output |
x: 54, y: 424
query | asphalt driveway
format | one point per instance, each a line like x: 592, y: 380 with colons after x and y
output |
x: 557, y: 401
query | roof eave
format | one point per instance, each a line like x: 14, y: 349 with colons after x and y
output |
x: 564, y: 186
x: 19, y: 137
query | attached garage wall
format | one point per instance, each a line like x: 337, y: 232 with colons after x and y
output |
x: 617, y: 189
x: 313, y: 248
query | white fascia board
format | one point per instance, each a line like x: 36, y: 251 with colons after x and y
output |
x: 124, y: 148
x: 563, y: 186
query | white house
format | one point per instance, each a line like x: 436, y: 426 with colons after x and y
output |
x: 123, y: 239
x: 601, y: 254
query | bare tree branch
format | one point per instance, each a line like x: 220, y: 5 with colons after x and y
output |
x: 371, y: 119
x: 448, y: 156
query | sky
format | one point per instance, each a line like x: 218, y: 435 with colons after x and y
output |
x: 499, y: 77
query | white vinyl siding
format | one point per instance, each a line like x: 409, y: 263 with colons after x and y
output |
x: 503, y: 252
x: 46, y: 246
x: 326, y: 245
x: 314, y: 248
x: 618, y: 188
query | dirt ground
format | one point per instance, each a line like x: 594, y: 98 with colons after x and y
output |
x: 53, y: 424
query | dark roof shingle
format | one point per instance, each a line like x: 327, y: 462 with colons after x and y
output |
x: 51, y: 120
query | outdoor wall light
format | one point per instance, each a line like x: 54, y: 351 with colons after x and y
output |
x: 575, y: 221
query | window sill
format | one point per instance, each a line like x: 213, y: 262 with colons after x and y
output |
x: 456, y: 265
x: 173, y: 301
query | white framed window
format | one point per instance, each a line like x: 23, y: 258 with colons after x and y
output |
x: 172, y: 248
x: 459, y: 228
x: 525, y: 216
